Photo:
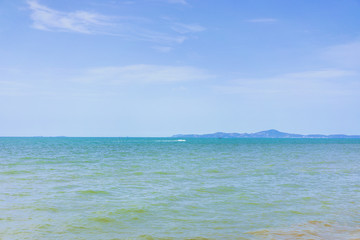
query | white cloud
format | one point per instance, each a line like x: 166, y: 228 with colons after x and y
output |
x: 347, y: 55
x: 184, y: 2
x: 129, y: 28
x: 320, y: 74
x: 12, y: 88
x: 262, y: 20
x: 143, y: 74
x: 45, y: 18
x: 164, y: 49
x: 310, y: 83
x: 158, y: 37
x: 187, y: 28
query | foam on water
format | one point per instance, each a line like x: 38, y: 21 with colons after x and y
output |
x: 134, y: 188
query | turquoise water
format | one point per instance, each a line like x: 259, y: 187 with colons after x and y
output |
x: 162, y: 188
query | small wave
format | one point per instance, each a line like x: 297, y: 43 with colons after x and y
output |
x: 93, y: 192
x: 149, y: 237
x: 289, y: 185
x: 102, y: 219
x: 176, y: 140
x: 164, y: 173
x: 134, y: 210
x: 22, y: 194
x: 46, y: 209
x: 217, y: 190
x: 310, y: 230
x: 14, y: 172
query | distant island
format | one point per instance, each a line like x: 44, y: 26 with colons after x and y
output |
x: 272, y: 133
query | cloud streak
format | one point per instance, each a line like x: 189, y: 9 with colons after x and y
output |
x: 187, y: 28
x: 262, y: 20
x: 45, y: 18
x: 128, y: 28
x: 183, y: 2
x: 320, y: 74
x: 328, y: 82
x: 143, y: 74
x: 347, y: 54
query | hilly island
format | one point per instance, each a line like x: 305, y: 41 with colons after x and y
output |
x: 272, y: 133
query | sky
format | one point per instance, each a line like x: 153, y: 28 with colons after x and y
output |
x: 153, y: 68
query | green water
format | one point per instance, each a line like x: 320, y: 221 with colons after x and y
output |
x: 161, y: 188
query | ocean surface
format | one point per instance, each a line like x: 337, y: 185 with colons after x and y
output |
x: 167, y: 188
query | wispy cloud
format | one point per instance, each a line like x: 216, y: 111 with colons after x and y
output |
x: 346, y: 55
x: 129, y: 28
x: 45, y: 18
x: 320, y: 74
x: 164, y: 49
x: 314, y: 83
x: 142, y: 74
x: 153, y: 36
x: 184, y: 2
x: 187, y: 28
x: 262, y: 20
x: 13, y: 88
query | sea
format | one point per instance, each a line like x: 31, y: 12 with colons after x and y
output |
x: 170, y: 188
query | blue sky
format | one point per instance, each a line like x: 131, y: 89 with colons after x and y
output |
x: 163, y: 67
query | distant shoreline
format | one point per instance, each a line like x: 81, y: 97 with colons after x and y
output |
x: 272, y: 133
